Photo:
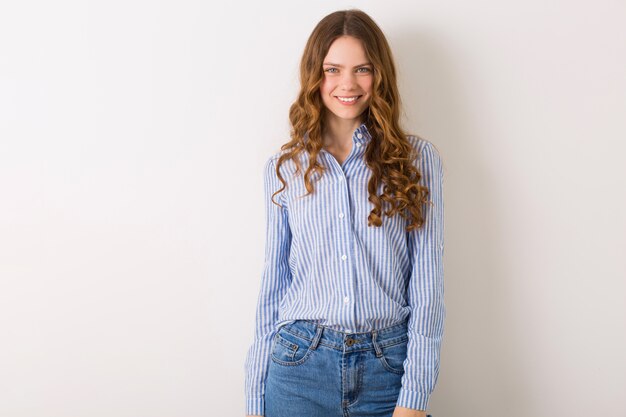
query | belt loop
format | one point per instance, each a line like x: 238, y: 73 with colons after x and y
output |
x: 379, y: 352
x: 318, y: 336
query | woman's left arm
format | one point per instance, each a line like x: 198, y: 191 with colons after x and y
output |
x: 425, y: 294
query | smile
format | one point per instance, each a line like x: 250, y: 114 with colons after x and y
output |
x: 348, y: 100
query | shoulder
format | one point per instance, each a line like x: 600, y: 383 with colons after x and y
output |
x: 288, y: 165
x: 276, y: 155
x: 273, y: 158
x: 271, y: 162
x: 423, y: 147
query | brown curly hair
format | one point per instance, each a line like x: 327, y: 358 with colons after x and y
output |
x: 389, y: 154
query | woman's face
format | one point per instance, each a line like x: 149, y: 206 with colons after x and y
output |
x: 347, y: 74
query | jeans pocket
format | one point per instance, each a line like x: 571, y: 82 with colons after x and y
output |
x: 394, y: 355
x: 290, y: 349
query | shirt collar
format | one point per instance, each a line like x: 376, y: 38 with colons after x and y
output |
x: 362, y: 134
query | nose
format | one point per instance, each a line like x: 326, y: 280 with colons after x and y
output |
x: 348, y: 81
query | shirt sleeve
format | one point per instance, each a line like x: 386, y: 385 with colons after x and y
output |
x: 425, y: 290
x: 275, y: 281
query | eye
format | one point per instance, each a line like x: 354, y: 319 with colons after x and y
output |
x: 329, y: 69
x: 366, y: 69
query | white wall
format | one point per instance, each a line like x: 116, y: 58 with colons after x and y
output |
x: 132, y: 138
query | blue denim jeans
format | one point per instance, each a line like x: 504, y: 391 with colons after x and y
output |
x: 316, y: 371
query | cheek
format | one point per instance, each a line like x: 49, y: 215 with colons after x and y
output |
x: 325, y: 90
x: 367, y: 84
x: 325, y: 87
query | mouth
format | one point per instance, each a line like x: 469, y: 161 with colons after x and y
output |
x: 348, y: 100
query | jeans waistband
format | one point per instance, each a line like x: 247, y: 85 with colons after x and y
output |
x: 374, y: 339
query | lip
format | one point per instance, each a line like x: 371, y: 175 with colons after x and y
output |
x: 351, y: 103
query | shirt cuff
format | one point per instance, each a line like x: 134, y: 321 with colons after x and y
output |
x: 413, y: 399
x: 255, y: 406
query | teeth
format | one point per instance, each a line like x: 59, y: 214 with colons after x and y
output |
x: 346, y: 99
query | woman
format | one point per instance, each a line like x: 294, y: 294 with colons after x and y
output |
x: 350, y: 314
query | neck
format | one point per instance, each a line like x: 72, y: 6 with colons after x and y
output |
x: 338, y: 132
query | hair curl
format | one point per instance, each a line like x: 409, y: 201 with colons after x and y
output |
x: 389, y: 154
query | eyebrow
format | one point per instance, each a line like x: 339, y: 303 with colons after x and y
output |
x: 341, y: 66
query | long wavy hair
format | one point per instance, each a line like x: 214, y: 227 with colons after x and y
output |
x: 388, y: 154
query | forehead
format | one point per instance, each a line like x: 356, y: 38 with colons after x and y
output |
x: 346, y: 50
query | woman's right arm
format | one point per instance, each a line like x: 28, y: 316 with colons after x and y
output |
x: 275, y: 281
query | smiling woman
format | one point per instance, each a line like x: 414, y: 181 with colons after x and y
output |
x: 350, y: 312
x: 346, y: 91
x: 347, y: 83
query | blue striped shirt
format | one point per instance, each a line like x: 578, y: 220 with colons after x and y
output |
x: 323, y: 263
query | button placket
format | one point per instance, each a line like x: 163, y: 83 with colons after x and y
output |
x: 343, y: 190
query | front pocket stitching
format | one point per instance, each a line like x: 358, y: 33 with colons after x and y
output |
x: 388, y: 367
x: 289, y: 345
x: 293, y: 348
x: 298, y: 362
x: 392, y: 342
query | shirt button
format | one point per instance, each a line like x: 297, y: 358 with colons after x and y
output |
x: 341, y: 215
x: 358, y: 144
x: 346, y: 300
x: 344, y: 257
x: 358, y: 135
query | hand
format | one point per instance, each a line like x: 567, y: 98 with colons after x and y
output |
x: 408, y: 412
